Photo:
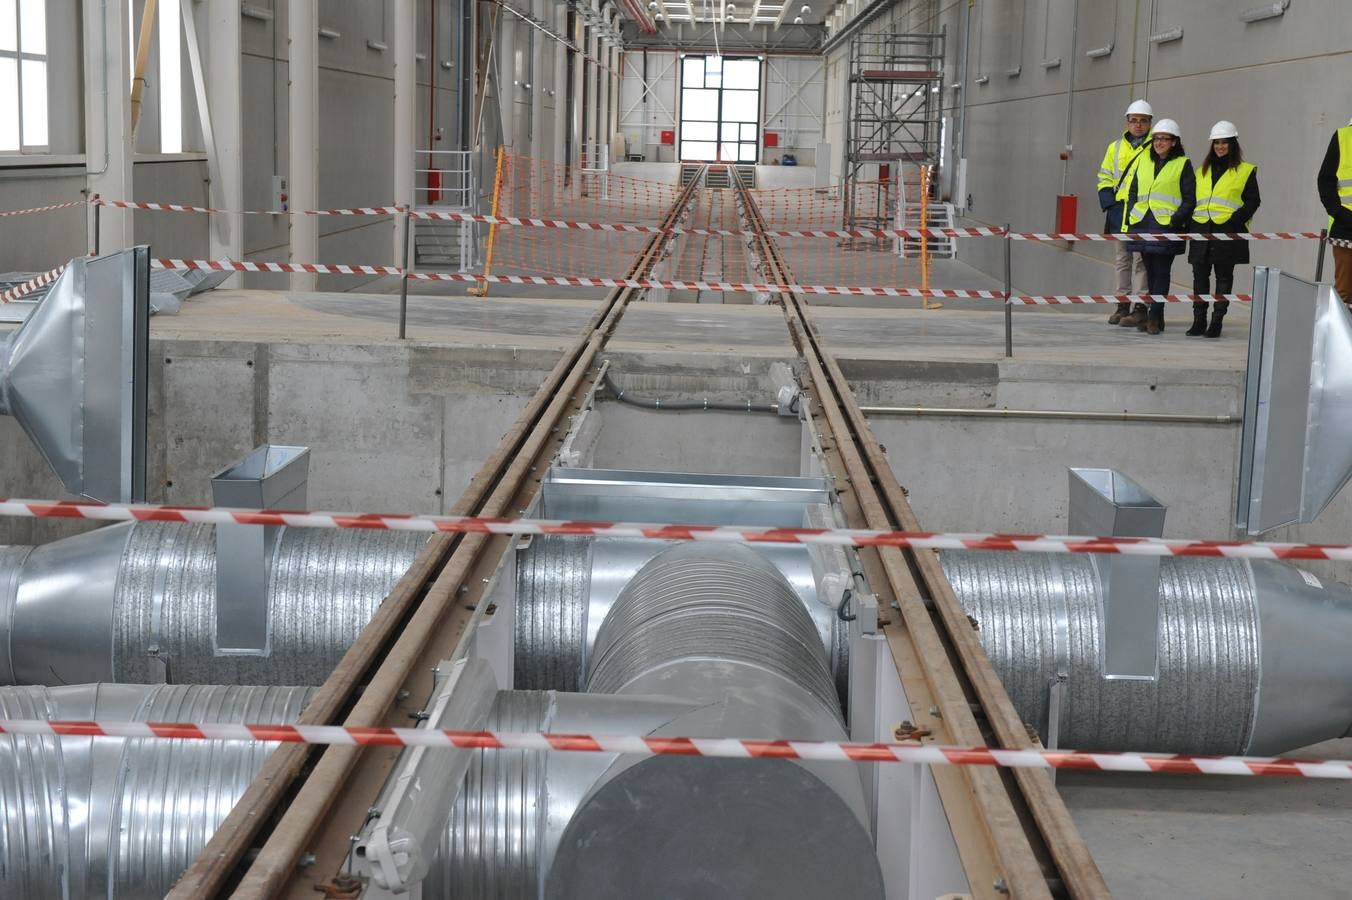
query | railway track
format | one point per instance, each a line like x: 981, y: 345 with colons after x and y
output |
x: 289, y: 834
x: 1014, y: 833
x: 307, y: 802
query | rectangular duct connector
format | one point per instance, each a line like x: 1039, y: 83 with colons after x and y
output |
x: 1296, y: 451
x: 1106, y: 503
x: 271, y: 477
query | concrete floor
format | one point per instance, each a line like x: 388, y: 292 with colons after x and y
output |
x: 1153, y: 836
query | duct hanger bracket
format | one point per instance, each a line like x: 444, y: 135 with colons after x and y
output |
x: 1106, y: 503
x: 271, y: 477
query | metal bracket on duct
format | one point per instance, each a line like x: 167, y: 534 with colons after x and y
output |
x: 396, y: 848
x: 1296, y: 453
x: 74, y: 375
x: 270, y: 477
x: 1106, y: 503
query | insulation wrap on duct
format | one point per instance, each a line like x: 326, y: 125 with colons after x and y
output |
x: 114, y: 817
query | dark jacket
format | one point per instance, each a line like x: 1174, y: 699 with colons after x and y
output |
x: 1227, y: 253
x: 1179, y: 222
x: 1328, y: 193
x: 1108, y: 202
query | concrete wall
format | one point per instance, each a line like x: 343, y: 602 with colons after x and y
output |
x: 1281, y: 81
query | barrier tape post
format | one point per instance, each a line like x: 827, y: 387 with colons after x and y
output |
x: 1319, y: 258
x: 1009, y: 293
x: 403, y: 275
x: 98, y: 207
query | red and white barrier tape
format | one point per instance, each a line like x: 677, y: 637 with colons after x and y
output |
x: 40, y: 209
x: 728, y: 748
x: 847, y: 537
x: 831, y: 290
x: 29, y: 287
x: 232, y: 265
x: 911, y: 233
x: 228, y: 265
x: 179, y: 207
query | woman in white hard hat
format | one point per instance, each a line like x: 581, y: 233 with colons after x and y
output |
x: 1227, y: 198
x: 1161, y: 198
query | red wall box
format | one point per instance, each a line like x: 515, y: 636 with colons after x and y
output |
x: 772, y: 138
x: 1066, y: 213
x: 668, y: 137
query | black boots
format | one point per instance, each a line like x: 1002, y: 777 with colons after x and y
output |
x: 1135, y: 318
x: 1123, y: 308
x: 1217, y: 316
x: 1198, y: 319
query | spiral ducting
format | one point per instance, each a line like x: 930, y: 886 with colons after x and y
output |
x: 136, y: 604
x: 724, y: 604
x: 111, y: 817
x: 1248, y: 659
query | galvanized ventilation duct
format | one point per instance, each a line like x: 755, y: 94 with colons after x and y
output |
x: 567, y: 584
x: 107, y: 817
x: 136, y: 604
x: 706, y: 641
x: 1252, y: 656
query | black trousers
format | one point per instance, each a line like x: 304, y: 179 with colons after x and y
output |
x: 1201, y: 277
x: 1157, y: 266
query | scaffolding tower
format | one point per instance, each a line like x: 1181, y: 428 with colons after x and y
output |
x: 894, y: 126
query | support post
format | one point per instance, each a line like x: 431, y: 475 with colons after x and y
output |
x: 1319, y: 259
x: 1009, y: 294
x: 405, y: 117
x: 407, y: 232
x: 108, y: 117
x: 303, y: 161
x: 220, y: 112
x: 94, y: 238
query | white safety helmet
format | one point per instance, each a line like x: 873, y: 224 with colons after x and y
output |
x: 1140, y: 108
x: 1166, y: 126
x: 1223, y: 129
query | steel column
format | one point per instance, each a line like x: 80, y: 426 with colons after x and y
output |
x: 302, y: 26
x: 108, y: 118
x: 222, y: 119
x: 405, y: 115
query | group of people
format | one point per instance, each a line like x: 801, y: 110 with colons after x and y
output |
x: 1147, y: 185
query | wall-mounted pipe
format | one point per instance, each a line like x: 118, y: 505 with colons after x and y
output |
x: 1066, y: 414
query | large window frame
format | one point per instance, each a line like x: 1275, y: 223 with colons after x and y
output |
x: 720, y: 115
x: 24, y: 107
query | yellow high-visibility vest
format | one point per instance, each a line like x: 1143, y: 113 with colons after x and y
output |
x: 1218, y: 200
x: 1158, y: 192
x: 1118, y: 161
x: 1344, y: 168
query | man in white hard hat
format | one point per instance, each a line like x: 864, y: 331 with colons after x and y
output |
x: 1114, y: 176
x: 1335, y: 192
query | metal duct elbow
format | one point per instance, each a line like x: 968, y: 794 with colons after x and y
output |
x: 137, y: 603
x: 1252, y: 656
x: 112, y: 817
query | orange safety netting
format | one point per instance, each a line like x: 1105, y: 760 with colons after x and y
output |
x: 535, y: 188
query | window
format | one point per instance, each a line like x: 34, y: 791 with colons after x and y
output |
x: 720, y: 108
x: 23, y: 76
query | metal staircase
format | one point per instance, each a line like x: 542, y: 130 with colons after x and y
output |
x: 937, y: 215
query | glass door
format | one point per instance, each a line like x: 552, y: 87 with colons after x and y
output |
x: 720, y: 109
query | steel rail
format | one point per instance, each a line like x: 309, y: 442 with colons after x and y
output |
x: 1023, y: 824
x: 305, y: 801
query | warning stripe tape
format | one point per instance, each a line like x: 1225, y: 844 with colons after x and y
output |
x: 29, y: 287
x: 913, y: 233
x: 728, y: 748
x: 228, y: 265
x: 833, y: 290
x: 41, y: 209
x: 232, y: 265
x: 179, y: 207
x: 846, y: 537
